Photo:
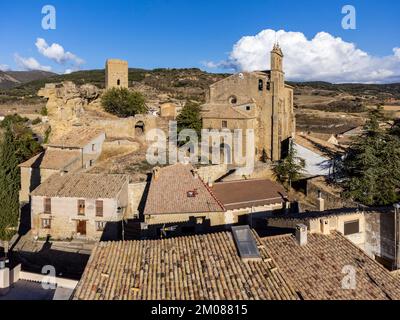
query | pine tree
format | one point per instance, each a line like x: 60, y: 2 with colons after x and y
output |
x: 290, y: 168
x: 371, y: 168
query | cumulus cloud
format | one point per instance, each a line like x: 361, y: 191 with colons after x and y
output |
x: 57, y: 53
x: 323, y: 57
x: 4, y: 67
x: 30, y: 63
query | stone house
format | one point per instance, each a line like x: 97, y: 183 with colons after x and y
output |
x: 258, y: 100
x: 371, y: 229
x: 88, y: 141
x: 180, y: 201
x: 76, y: 150
x: 91, y: 206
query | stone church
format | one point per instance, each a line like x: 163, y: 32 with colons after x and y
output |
x: 258, y: 100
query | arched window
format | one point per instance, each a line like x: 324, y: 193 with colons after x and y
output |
x: 118, y: 82
x: 260, y: 85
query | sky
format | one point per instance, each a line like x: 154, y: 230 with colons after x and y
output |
x: 214, y: 35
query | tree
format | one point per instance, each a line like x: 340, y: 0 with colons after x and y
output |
x: 190, y: 118
x: 9, y: 186
x: 371, y: 167
x: 123, y: 103
x: 290, y: 168
x: 16, y: 146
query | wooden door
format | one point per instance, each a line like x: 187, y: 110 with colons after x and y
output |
x: 81, y: 227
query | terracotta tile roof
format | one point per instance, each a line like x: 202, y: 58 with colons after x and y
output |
x: 52, y: 159
x: 247, y: 193
x: 310, y: 215
x: 169, y: 192
x: 188, y: 268
x: 82, y: 185
x: 77, y: 137
x: 225, y: 111
x: 315, y: 270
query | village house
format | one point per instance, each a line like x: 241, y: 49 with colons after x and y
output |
x: 330, y: 267
x: 76, y: 150
x: 199, y: 267
x: 181, y: 200
x: 89, y: 206
x: 258, y: 100
x: 320, y: 156
x: 370, y: 229
x: 234, y: 265
x: 88, y: 141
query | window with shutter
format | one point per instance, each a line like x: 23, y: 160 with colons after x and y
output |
x: 47, y: 205
x: 99, y: 208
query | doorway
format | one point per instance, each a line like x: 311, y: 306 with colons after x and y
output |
x: 81, y: 227
x: 139, y: 128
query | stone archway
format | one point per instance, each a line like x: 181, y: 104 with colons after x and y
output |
x: 139, y: 128
x: 226, y: 153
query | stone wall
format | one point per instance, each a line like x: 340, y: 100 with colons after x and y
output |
x: 212, y: 172
x: 331, y: 195
x: 137, y: 195
x: 380, y: 240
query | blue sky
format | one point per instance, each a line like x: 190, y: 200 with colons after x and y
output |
x: 186, y: 33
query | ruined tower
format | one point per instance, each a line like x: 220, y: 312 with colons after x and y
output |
x: 116, y: 73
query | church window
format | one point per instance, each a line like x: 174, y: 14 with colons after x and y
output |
x: 248, y: 108
x: 260, y: 85
x: 232, y: 100
x: 118, y: 82
x: 268, y: 86
x: 224, y: 124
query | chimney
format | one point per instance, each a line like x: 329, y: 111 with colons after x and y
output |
x: 209, y: 183
x: 321, y: 202
x: 156, y: 173
x: 301, y: 234
x: 325, y: 229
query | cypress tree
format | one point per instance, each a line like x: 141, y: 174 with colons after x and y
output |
x: 9, y: 185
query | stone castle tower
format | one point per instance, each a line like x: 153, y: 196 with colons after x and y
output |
x: 260, y: 100
x: 116, y: 73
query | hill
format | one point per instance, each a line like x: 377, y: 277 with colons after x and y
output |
x: 191, y: 83
x: 10, y: 79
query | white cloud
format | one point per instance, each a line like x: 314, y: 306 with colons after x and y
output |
x: 323, y: 57
x: 57, y: 53
x: 396, y: 52
x: 68, y: 71
x: 4, y: 67
x: 30, y: 63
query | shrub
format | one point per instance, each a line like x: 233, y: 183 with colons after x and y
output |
x: 122, y: 102
x: 44, y: 111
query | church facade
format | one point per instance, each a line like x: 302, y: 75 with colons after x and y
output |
x: 258, y: 100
